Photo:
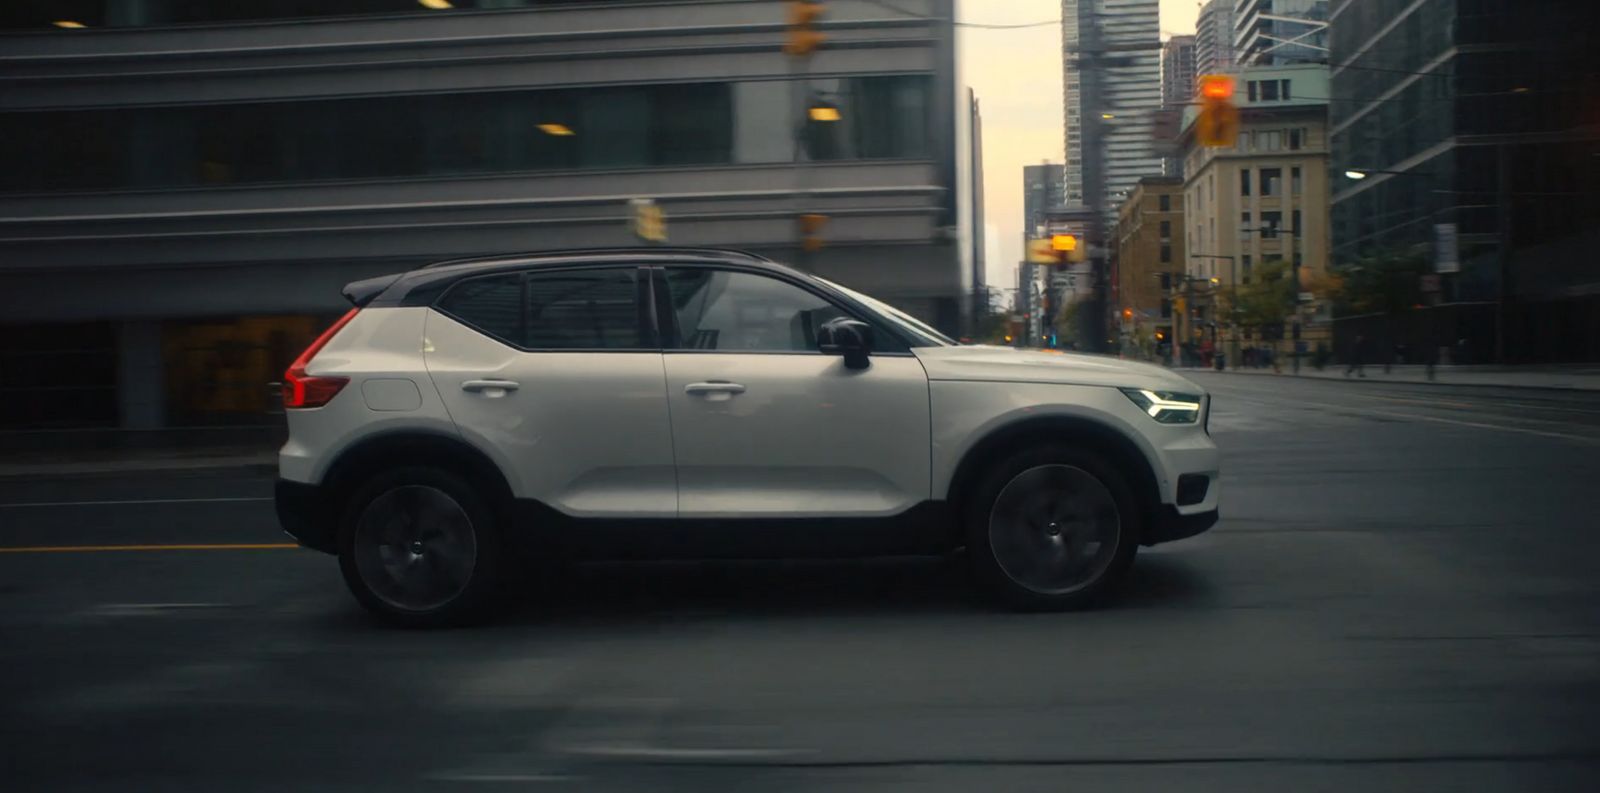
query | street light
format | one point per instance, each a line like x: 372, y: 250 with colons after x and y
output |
x: 1357, y: 175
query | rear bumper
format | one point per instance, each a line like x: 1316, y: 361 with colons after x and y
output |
x: 1170, y: 525
x: 303, y: 514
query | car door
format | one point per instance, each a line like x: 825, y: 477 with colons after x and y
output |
x: 763, y: 424
x: 557, y: 374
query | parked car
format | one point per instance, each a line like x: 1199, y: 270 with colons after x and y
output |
x: 644, y: 403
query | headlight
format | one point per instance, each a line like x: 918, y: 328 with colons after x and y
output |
x: 1167, y: 407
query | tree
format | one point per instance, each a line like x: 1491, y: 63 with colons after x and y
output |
x: 1387, y: 282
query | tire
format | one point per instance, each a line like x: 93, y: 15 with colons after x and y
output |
x: 420, y: 547
x: 1051, y: 528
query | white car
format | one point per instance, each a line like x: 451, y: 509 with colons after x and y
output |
x: 644, y: 403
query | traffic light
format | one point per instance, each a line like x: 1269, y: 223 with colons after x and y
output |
x: 811, y: 231
x: 1218, y: 122
x: 1127, y: 314
x: 803, y: 36
x: 649, y: 221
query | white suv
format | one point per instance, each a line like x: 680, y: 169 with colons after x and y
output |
x: 643, y: 403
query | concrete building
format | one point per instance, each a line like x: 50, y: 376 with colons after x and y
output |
x: 185, y: 186
x: 1132, y: 29
x: 1281, y: 32
x: 1177, y: 71
x: 1479, y: 117
x: 1177, y: 87
x: 1149, y: 258
x: 1213, y: 38
x: 1041, y: 192
x: 1265, y: 199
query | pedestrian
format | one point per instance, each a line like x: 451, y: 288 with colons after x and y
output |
x: 1357, y: 352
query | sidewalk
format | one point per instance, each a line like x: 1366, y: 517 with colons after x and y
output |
x: 1579, y: 377
x: 75, y: 453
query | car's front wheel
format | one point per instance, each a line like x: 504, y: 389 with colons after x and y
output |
x: 1052, y: 527
x: 420, y: 547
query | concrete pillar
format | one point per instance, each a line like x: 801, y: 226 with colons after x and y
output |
x: 141, y: 376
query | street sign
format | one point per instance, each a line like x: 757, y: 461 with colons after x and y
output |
x: 1446, y: 248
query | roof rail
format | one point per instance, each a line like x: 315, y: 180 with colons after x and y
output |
x: 638, y: 249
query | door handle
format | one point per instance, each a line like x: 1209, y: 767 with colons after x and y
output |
x: 714, y: 387
x: 476, y: 386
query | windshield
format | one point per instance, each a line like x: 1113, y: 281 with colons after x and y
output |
x: 921, y: 334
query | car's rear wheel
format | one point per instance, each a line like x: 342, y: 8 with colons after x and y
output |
x: 1052, y: 527
x: 420, y: 547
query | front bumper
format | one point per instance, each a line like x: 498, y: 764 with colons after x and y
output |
x: 305, y: 515
x: 1171, y: 525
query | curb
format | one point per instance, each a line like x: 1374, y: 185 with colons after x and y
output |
x: 254, y: 464
x: 1577, y: 389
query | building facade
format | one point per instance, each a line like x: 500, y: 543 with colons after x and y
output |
x: 1042, y: 190
x: 1177, y: 88
x: 186, y: 186
x: 1150, y: 254
x: 1132, y: 93
x: 1478, y: 117
x: 976, y: 281
x: 1263, y: 201
x: 1280, y: 32
x: 1213, y: 38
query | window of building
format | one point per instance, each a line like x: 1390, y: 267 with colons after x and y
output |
x: 1270, y: 223
x: 1250, y: 87
x: 1245, y: 268
x: 1294, y: 222
x: 1271, y: 140
x: 1165, y: 203
x: 1295, y: 139
x: 391, y: 137
x: 725, y: 310
x: 1166, y: 306
x: 1211, y: 182
x: 1244, y: 226
x: 1166, y: 253
x: 1269, y: 91
x: 1294, y: 181
x: 1244, y: 181
x: 1244, y: 142
x: 1283, y: 90
x: 1166, y: 229
x: 1271, y: 181
x: 1166, y: 282
x: 563, y: 310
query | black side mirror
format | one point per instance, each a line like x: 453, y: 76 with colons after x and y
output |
x: 851, y: 338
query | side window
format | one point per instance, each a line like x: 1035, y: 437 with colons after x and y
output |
x: 492, y: 305
x: 563, y: 310
x: 584, y: 310
x: 736, y: 311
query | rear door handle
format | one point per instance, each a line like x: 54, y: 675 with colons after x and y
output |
x: 713, y: 387
x: 477, y: 386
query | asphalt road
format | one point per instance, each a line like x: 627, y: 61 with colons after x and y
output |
x: 1401, y: 596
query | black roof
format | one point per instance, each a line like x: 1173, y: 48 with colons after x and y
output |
x: 420, y: 286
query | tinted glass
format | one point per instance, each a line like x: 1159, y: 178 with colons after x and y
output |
x: 725, y: 310
x: 569, y: 310
x: 584, y: 309
x: 492, y: 305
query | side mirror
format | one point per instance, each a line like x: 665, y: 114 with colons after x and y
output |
x: 851, y: 338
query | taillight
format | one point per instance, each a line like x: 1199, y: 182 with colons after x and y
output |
x: 301, y: 390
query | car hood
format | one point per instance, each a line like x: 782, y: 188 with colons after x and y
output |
x: 1009, y: 365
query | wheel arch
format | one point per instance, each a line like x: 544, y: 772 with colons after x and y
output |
x: 1078, y: 431
x: 398, y: 448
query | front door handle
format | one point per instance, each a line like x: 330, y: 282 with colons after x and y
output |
x: 714, y: 387
x: 476, y: 386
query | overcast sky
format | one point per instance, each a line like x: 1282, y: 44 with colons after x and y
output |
x: 1017, y: 75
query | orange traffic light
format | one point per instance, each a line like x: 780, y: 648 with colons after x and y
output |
x: 811, y: 230
x: 1127, y: 313
x: 803, y: 36
x: 1217, y: 126
x: 1063, y: 242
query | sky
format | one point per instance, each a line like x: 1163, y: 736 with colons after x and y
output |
x: 1017, y: 76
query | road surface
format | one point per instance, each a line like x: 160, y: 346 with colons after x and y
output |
x: 1402, y: 596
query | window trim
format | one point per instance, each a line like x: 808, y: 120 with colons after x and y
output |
x: 667, y: 319
x: 644, y: 316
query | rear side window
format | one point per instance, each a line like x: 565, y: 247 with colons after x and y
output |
x: 594, y: 309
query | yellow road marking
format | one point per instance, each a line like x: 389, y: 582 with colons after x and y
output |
x: 258, y: 546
